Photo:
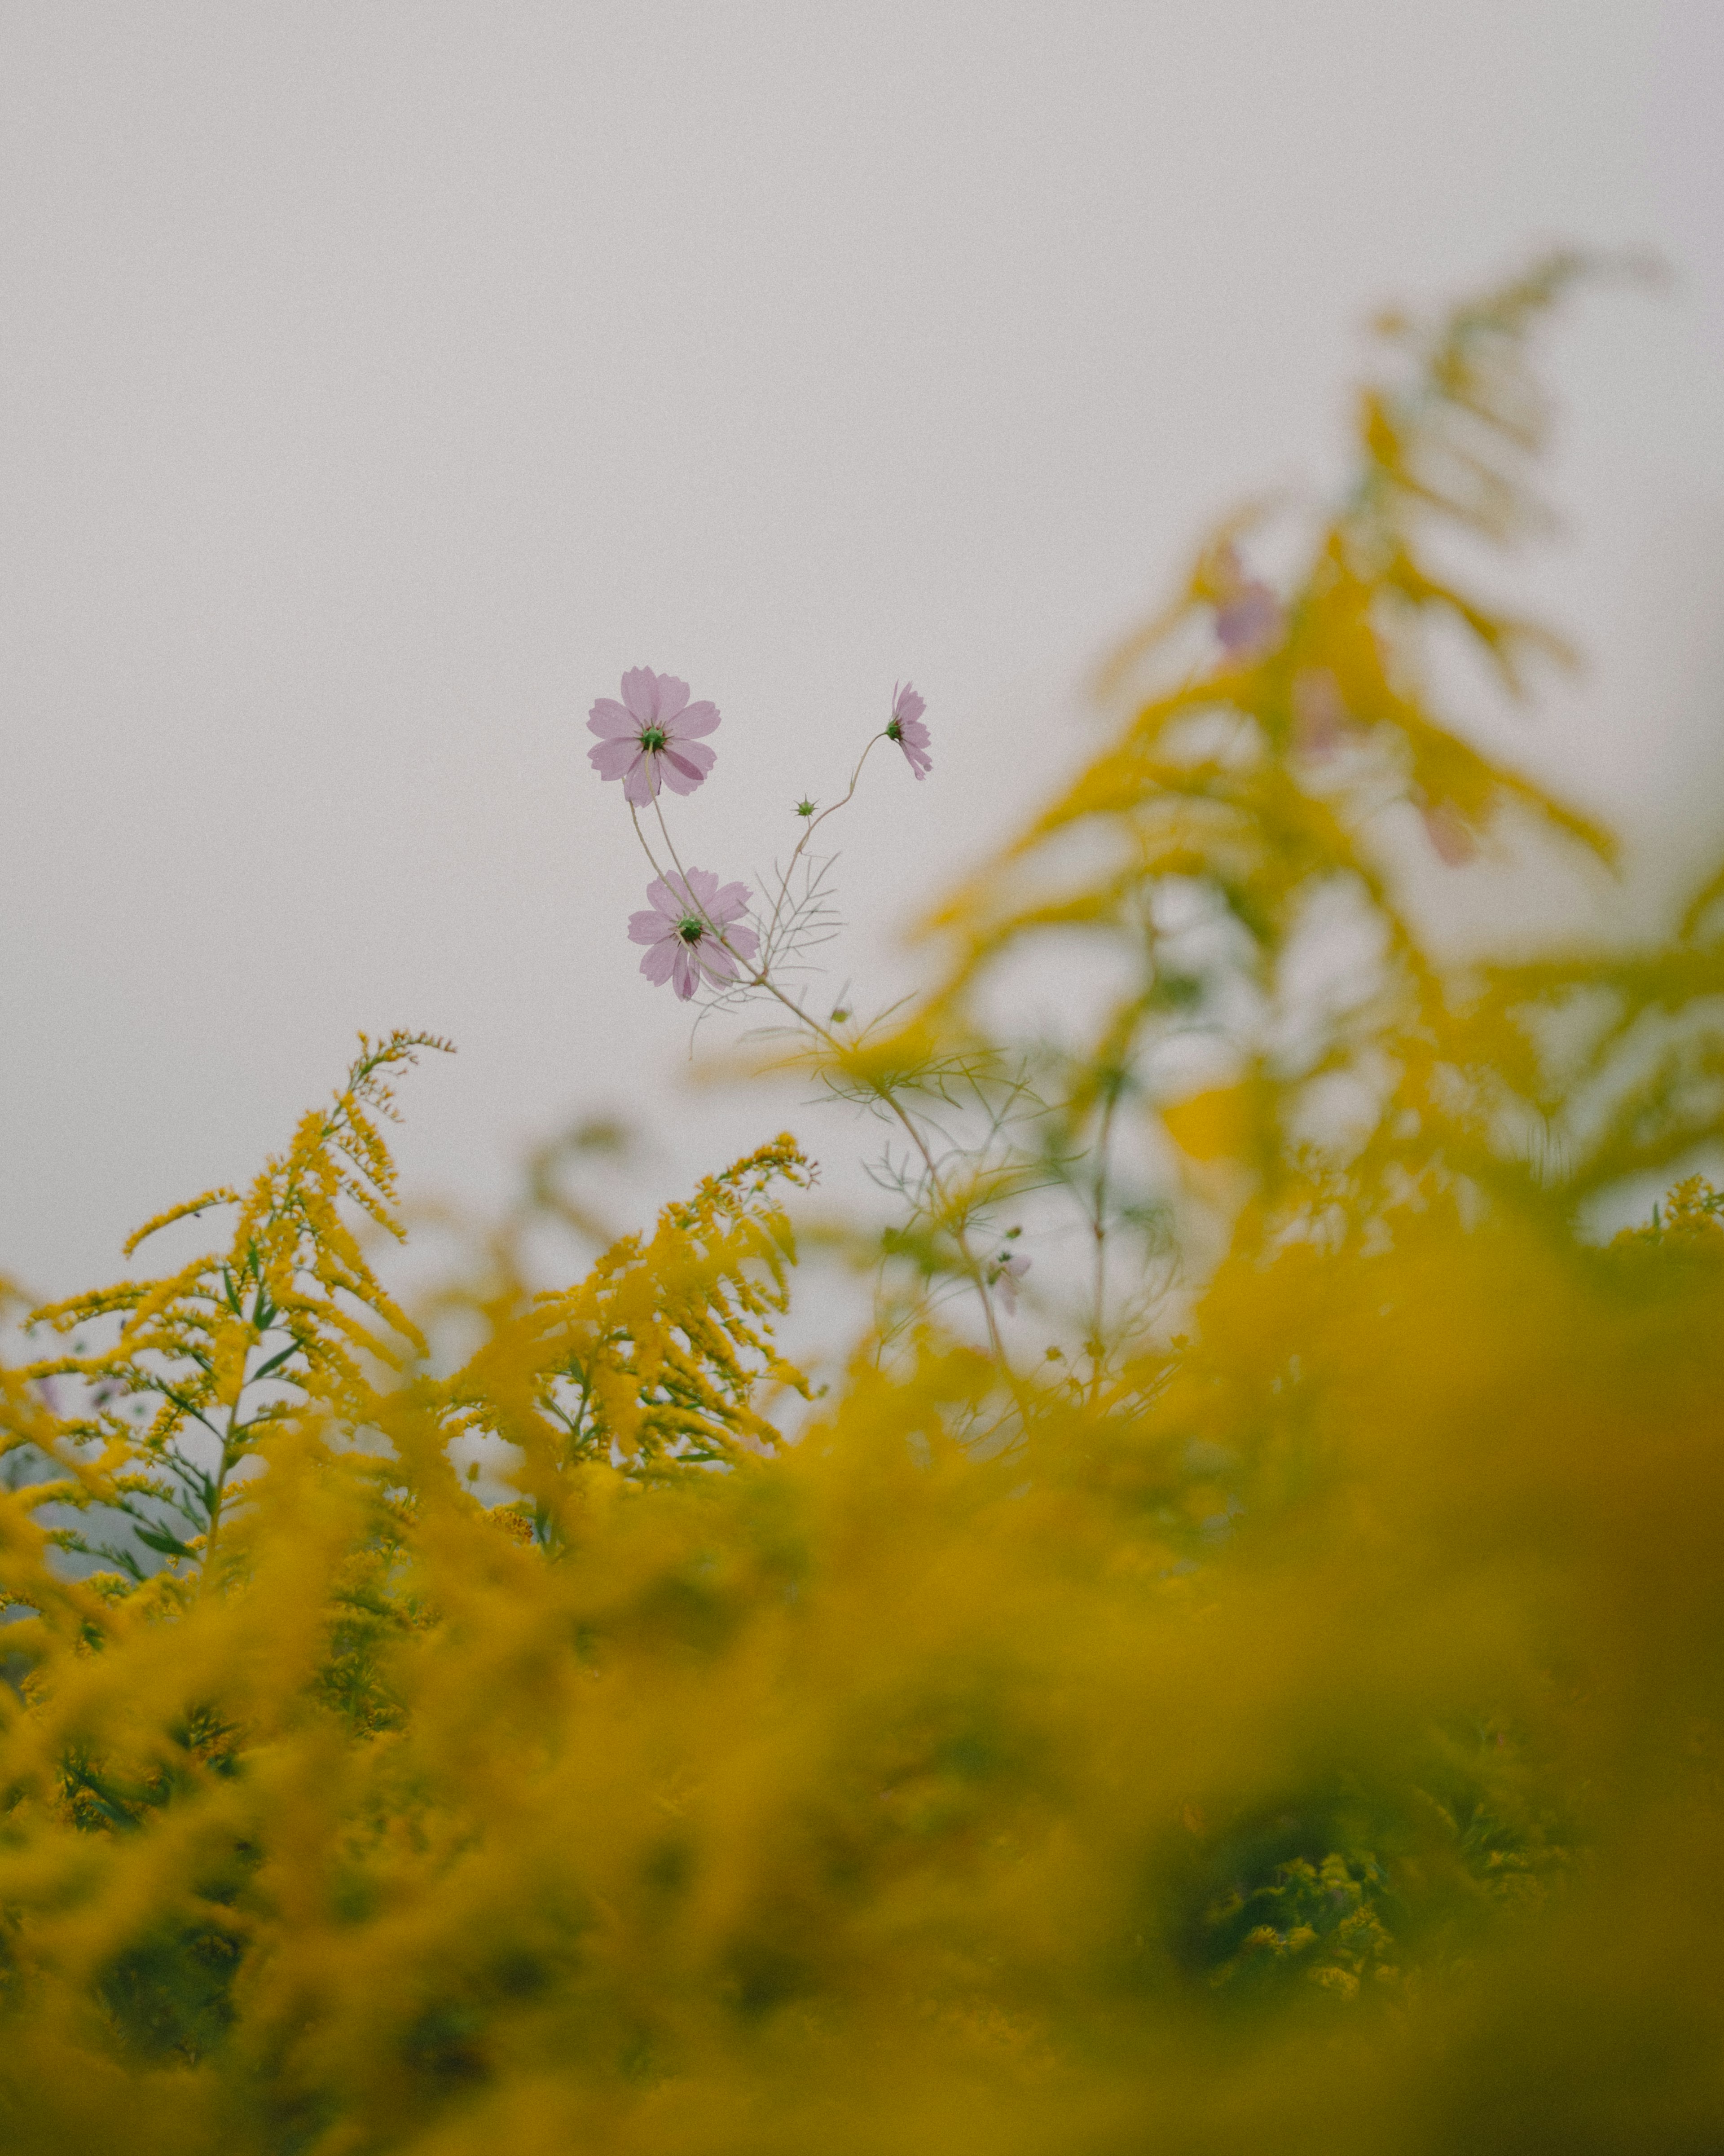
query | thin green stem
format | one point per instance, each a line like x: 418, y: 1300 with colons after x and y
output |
x: 813, y: 825
x: 1099, y: 1228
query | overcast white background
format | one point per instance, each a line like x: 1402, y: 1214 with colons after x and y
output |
x: 378, y: 381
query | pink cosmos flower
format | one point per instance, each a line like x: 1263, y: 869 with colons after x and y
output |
x: 905, y: 727
x: 652, y: 734
x: 683, y: 928
x: 1247, y: 614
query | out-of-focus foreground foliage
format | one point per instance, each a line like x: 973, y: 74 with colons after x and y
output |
x: 1302, y: 1733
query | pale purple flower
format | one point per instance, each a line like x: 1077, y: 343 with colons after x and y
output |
x: 1247, y: 614
x: 1450, y: 834
x: 682, y: 930
x: 905, y: 727
x: 1319, y: 714
x: 1003, y: 1276
x: 652, y: 734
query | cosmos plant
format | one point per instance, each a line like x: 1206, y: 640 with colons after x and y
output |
x: 699, y: 934
x: 648, y: 740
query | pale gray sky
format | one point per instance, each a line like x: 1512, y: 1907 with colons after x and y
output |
x: 381, y: 379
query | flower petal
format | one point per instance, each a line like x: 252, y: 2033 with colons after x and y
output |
x: 703, y: 886
x: 670, y: 900
x: 743, y: 941
x: 697, y: 719
x: 916, y: 754
x: 906, y: 705
x: 612, y: 759
x: 685, y: 968
x: 673, y: 695
x: 640, y: 693
x: 649, y: 927
x: 682, y: 774
x: 729, y: 901
x: 642, y: 783
x: 660, y: 962
x: 607, y: 716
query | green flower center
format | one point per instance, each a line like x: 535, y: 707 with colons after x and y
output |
x: 653, y: 737
x: 895, y: 732
x: 689, y: 929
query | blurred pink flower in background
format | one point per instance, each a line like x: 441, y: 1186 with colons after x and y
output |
x: 1247, y: 614
x: 682, y: 930
x: 1319, y: 714
x: 653, y: 733
x: 1007, y: 1272
x: 905, y: 727
x: 1450, y: 834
